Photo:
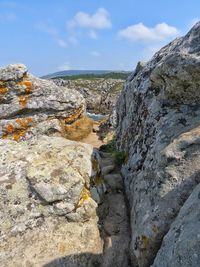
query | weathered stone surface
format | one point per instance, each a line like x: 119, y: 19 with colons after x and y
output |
x: 181, y: 245
x: 158, y: 116
x: 44, y: 184
x: 27, y: 101
x: 100, y: 94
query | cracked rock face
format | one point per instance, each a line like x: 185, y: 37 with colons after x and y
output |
x: 181, y: 245
x: 30, y: 103
x: 158, y: 117
x: 46, y: 211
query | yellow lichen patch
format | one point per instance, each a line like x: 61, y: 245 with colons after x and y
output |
x: 23, y: 100
x: 85, y: 195
x: 78, y: 130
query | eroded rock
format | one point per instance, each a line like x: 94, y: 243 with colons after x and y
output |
x: 158, y: 116
x: 181, y: 245
x: 44, y: 186
x: 30, y: 103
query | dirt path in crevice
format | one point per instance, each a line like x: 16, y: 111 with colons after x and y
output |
x: 93, y: 138
x: 113, y: 216
x: 112, y: 210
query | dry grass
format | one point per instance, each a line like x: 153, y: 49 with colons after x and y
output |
x: 79, y: 129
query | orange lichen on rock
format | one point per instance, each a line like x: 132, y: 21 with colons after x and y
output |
x: 3, y: 90
x: 17, y: 132
x: 23, y: 100
x: 9, y: 128
x: 18, y: 135
x: 85, y: 195
x: 74, y: 116
x: 77, y: 130
x: 27, y: 84
x: 24, y: 122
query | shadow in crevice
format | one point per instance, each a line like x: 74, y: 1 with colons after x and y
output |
x: 77, y: 260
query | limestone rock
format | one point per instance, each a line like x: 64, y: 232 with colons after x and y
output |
x: 100, y: 94
x: 27, y: 101
x: 158, y: 116
x: 44, y: 183
x: 181, y: 245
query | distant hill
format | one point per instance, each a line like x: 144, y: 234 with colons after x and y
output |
x: 87, y: 74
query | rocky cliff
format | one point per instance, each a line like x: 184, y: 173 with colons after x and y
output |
x: 158, y: 116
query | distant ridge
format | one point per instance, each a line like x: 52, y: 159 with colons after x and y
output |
x: 79, y: 72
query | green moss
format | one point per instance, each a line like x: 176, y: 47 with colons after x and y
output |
x: 119, y: 156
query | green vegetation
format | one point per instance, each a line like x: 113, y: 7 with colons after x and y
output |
x: 111, y: 75
x: 119, y: 156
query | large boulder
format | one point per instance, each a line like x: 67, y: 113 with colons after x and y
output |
x: 46, y: 210
x: 158, y: 117
x: 181, y: 245
x: 30, y: 103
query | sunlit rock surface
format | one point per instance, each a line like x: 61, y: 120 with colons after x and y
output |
x: 158, y: 116
x: 27, y: 102
x: 46, y: 209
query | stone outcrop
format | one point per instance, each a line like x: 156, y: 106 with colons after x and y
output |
x: 100, y: 94
x: 158, y: 116
x: 46, y: 209
x: 181, y: 245
x: 31, y: 104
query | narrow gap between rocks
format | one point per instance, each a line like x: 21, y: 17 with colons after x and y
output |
x: 112, y: 208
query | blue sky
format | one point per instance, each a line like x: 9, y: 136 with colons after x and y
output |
x: 53, y: 35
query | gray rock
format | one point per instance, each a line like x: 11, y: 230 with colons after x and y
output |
x: 107, y: 169
x: 100, y: 94
x: 29, y: 103
x: 44, y: 184
x: 158, y: 116
x: 181, y: 245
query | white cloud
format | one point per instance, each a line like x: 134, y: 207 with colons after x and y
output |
x: 50, y: 29
x: 95, y: 54
x: 93, y: 35
x: 141, y: 33
x: 90, y: 22
x: 98, y: 20
x: 64, y: 66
